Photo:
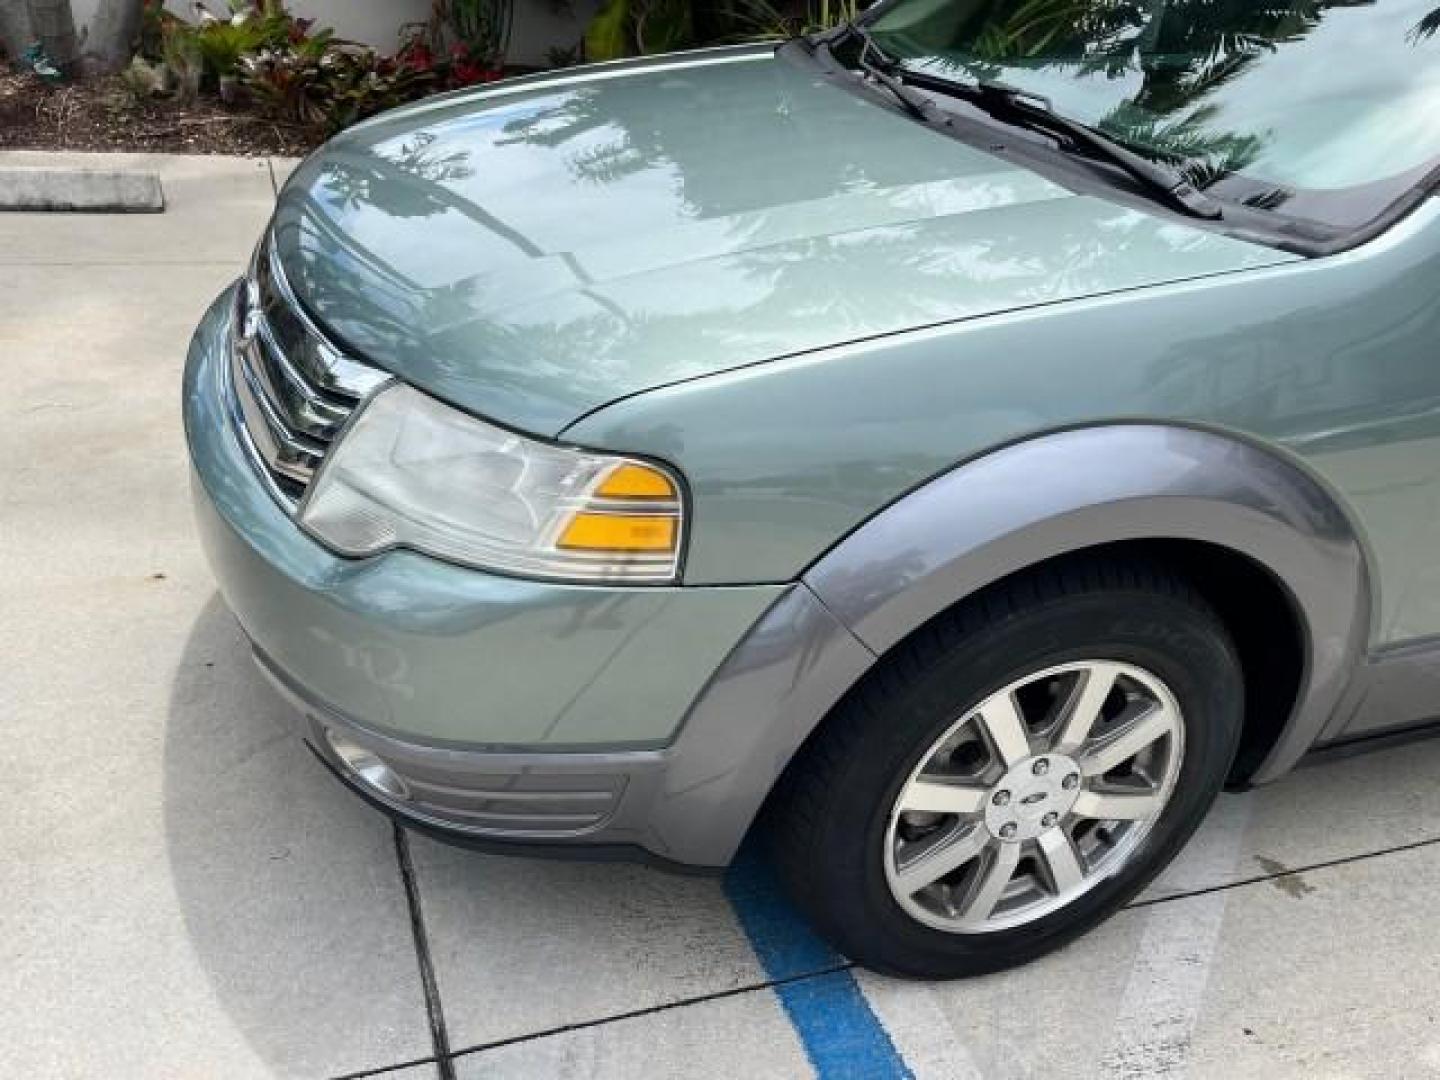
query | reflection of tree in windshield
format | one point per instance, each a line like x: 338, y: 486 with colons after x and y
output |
x: 1425, y: 28
x: 1205, y: 151
x: 1182, y: 50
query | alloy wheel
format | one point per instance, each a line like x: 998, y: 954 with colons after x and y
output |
x: 1034, y: 796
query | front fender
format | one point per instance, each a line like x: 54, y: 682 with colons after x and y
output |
x: 996, y: 515
x: 1077, y: 489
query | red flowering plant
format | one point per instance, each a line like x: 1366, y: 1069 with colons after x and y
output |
x: 415, y: 52
x: 467, y: 69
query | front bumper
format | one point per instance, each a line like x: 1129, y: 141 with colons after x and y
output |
x: 512, y: 709
x: 597, y: 803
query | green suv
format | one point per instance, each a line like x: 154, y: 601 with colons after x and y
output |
x: 961, y: 441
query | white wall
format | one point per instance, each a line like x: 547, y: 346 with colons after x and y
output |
x: 374, y: 22
x: 539, y: 24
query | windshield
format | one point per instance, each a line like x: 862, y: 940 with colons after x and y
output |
x: 1329, y: 111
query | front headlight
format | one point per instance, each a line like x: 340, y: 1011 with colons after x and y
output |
x: 412, y: 472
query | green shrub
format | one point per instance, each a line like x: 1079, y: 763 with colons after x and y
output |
x: 331, y: 89
x: 223, y: 44
x: 481, y: 26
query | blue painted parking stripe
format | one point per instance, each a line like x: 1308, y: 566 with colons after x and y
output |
x: 842, y: 1037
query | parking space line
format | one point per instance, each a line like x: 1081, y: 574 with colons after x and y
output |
x: 1167, y: 981
x: 841, y: 1035
x: 922, y: 1033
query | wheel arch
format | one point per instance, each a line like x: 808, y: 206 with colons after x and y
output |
x: 1214, y: 501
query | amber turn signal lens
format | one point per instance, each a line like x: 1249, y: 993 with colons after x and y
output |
x: 619, y: 532
x: 635, y: 481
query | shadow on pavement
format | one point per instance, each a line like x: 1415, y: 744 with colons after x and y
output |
x: 287, y: 885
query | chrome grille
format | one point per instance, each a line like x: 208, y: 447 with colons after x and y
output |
x: 293, y: 389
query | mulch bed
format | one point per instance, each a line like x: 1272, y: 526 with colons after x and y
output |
x: 102, y: 114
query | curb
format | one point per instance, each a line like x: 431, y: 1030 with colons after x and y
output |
x: 84, y: 190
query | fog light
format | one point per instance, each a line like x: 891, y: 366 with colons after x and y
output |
x: 367, y: 765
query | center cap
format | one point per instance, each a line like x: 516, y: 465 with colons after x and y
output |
x: 1033, y: 796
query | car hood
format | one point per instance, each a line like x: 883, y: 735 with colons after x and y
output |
x: 536, y: 250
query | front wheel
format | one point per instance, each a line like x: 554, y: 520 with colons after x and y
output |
x: 1013, y: 774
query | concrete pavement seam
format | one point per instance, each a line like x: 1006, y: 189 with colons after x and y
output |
x: 679, y: 1003
x: 750, y: 988
x: 1288, y: 872
x: 434, y: 1011
x: 363, y: 1074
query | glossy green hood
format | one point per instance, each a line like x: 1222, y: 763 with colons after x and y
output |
x: 534, y: 251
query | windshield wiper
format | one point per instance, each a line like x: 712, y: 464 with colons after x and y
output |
x: 1034, y: 112
x: 878, y: 68
x: 1168, y: 182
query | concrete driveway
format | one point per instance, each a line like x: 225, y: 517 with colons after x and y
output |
x: 185, y: 893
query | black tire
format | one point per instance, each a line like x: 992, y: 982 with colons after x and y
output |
x: 829, y: 818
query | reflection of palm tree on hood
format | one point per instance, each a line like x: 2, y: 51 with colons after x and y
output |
x: 627, y: 131
x: 752, y: 212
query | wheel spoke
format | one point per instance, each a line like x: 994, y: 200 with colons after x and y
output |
x: 1062, y: 861
x: 939, y: 859
x: 1154, y: 723
x: 1083, y: 708
x: 937, y: 797
x: 1116, y: 806
x: 1006, y: 727
x: 989, y: 884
